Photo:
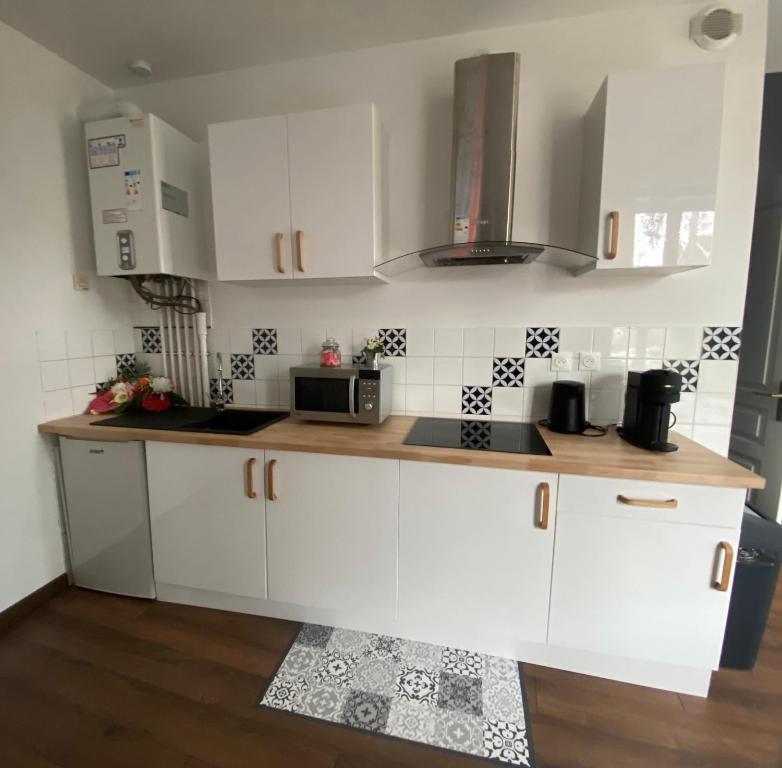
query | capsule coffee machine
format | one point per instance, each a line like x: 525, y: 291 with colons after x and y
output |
x: 648, y: 408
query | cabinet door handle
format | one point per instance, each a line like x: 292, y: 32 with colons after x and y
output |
x: 270, y: 492
x: 278, y: 253
x: 299, y: 254
x: 248, y: 474
x: 722, y: 582
x: 613, y: 222
x: 654, y: 503
x: 544, y: 495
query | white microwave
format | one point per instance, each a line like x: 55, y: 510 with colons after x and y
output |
x: 349, y: 394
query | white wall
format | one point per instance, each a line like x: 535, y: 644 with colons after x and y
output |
x: 563, y: 64
x: 44, y: 237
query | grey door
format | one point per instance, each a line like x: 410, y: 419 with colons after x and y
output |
x: 756, y: 434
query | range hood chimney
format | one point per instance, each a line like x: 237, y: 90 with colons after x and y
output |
x: 485, y: 111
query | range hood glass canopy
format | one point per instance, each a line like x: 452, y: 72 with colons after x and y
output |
x: 483, y: 172
x: 488, y: 252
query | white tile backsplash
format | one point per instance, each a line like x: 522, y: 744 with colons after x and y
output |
x: 58, y: 404
x: 449, y: 342
x: 103, y: 342
x: 448, y: 370
x: 611, y: 342
x: 477, y: 371
x: 123, y: 340
x: 420, y: 342
x: 79, y: 342
x: 509, y: 342
x: 420, y: 370
x: 428, y: 379
x: 54, y: 375
x: 478, y: 342
x: 81, y: 371
x: 683, y: 343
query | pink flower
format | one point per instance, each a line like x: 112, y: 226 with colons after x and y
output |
x: 103, y: 403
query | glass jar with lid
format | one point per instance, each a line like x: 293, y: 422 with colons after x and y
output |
x: 330, y: 355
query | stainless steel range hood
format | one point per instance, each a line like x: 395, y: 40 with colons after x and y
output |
x: 485, y: 113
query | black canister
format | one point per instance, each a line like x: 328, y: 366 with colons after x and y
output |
x: 567, y: 411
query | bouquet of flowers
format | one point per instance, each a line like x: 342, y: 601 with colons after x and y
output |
x: 137, y: 390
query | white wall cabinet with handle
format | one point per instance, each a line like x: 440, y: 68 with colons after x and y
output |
x: 332, y: 534
x: 207, y: 512
x: 638, y: 575
x: 651, y: 158
x: 475, y: 552
x: 298, y: 197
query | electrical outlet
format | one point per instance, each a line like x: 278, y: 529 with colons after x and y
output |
x: 561, y: 361
x: 589, y: 361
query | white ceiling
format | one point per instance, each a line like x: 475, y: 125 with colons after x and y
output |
x: 181, y: 38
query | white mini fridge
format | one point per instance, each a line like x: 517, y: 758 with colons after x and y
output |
x: 107, y: 516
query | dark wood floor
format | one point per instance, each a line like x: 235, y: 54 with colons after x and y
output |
x: 93, y: 680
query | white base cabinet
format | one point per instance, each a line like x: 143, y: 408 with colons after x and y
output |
x: 332, y: 532
x: 208, y: 532
x: 630, y: 580
x: 475, y: 550
x: 601, y: 576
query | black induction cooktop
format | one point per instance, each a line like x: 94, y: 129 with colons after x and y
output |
x: 474, y: 435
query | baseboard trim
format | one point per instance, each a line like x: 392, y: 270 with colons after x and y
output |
x: 34, y: 600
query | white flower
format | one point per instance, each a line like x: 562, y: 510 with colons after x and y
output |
x: 161, y: 384
x: 121, y: 397
x: 120, y: 388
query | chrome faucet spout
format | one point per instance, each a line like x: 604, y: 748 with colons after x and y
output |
x: 218, y: 401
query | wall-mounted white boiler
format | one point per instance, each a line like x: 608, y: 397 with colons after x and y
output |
x: 145, y: 192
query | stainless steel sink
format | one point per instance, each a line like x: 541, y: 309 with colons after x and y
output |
x: 232, y: 421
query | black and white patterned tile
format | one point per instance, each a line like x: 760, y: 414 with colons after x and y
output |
x: 264, y: 341
x: 689, y: 373
x: 228, y: 390
x: 508, y: 372
x: 454, y: 699
x: 721, y: 342
x: 151, y: 340
x: 242, y: 367
x: 476, y: 434
x: 126, y: 364
x: 476, y: 401
x: 394, y: 341
x: 359, y: 359
x: 542, y: 342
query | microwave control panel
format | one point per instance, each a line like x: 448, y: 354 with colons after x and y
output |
x: 368, y: 393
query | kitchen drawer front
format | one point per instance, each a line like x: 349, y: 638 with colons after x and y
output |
x: 643, y: 500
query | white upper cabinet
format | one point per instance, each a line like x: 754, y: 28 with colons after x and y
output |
x: 251, y: 199
x: 298, y: 196
x: 475, y: 552
x: 651, y: 160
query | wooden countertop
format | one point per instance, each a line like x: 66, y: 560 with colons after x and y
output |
x: 608, y: 456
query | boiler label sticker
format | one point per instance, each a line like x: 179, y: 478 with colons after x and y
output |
x: 115, y: 215
x: 103, y: 151
x: 134, y: 198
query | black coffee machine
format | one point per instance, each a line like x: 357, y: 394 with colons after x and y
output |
x: 648, y: 408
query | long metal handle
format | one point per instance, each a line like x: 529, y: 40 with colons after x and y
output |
x: 271, y: 495
x: 722, y: 582
x: 654, y: 503
x: 278, y: 253
x: 613, y: 218
x: 248, y: 472
x: 544, y: 494
x: 351, y: 397
x: 299, y: 253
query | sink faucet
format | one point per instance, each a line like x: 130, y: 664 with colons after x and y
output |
x: 219, y: 400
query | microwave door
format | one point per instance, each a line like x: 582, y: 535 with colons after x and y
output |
x: 317, y: 394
